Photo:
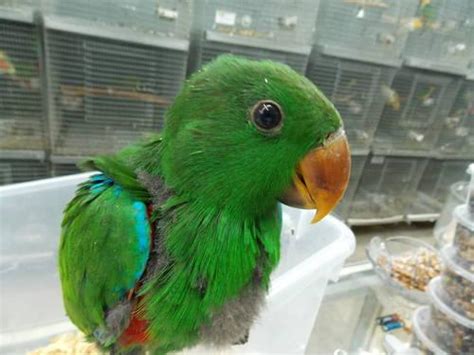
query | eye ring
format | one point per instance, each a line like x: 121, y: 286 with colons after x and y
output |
x: 267, y: 117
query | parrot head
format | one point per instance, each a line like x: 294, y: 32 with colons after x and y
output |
x: 244, y: 134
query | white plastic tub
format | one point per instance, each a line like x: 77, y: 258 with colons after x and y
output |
x: 30, y: 298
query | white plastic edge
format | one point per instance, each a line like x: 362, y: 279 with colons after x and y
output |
x: 447, y: 254
x: 420, y: 334
x: 25, y: 187
x: 433, y: 287
x: 339, y: 250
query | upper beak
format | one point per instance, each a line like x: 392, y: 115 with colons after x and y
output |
x: 321, y: 177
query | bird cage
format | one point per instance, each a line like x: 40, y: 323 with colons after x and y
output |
x: 61, y: 166
x: 168, y: 18
x: 386, y: 188
x: 367, y: 30
x: 22, y: 123
x: 357, y: 167
x: 210, y: 49
x: 108, y: 89
x: 438, y: 176
x: 457, y: 134
x: 279, y: 30
x: 358, y: 90
x: 425, y: 102
x: 440, y: 39
x: 21, y: 166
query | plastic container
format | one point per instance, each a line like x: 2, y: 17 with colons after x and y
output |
x: 423, y: 337
x: 457, y: 284
x: 444, y: 228
x: 454, y: 331
x: 31, y: 306
x: 405, y: 264
x: 464, y: 236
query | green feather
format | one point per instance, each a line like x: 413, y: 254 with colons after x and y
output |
x: 102, y: 252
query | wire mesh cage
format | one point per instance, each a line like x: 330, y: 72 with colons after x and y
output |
x: 440, y: 39
x: 22, y: 123
x: 358, y: 90
x: 367, y: 30
x: 278, y: 30
x: 457, y: 134
x: 386, y: 188
x: 154, y: 17
x: 21, y: 166
x: 357, y: 167
x: 425, y: 99
x: 61, y: 166
x: 210, y: 49
x: 106, y: 93
x: 434, y: 185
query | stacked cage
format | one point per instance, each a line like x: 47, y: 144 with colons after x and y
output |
x: 357, y: 52
x: 22, y: 124
x: 386, y: 189
x: 278, y: 30
x: 357, y: 168
x: 433, y: 188
x: 373, y: 31
x: 412, y: 127
x: 22, y: 166
x: 456, y: 138
x: 447, y: 325
x: 64, y: 165
x: 358, y: 90
x: 441, y: 36
x: 113, y: 69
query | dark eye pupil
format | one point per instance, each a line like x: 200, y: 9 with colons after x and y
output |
x: 267, y: 115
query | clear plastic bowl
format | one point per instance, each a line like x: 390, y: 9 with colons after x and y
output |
x: 463, y: 240
x: 457, y: 284
x: 405, y: 264
x: 444, y: 228
x: 423, y: 337
x: 453, y: 330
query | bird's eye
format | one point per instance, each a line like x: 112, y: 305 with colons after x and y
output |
x: 267, y: 116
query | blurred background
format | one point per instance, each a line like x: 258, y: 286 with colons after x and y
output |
x: 82, y: 77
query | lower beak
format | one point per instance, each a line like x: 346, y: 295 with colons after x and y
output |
x: 321, y: 177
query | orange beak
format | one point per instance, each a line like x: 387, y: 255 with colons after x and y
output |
x: 321, y: 177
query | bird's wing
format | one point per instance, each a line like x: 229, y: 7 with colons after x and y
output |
x: 105, y: 245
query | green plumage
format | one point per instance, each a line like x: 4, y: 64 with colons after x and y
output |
x: 215, y: 216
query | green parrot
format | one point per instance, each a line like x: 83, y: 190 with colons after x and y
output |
x: 173, y: 242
